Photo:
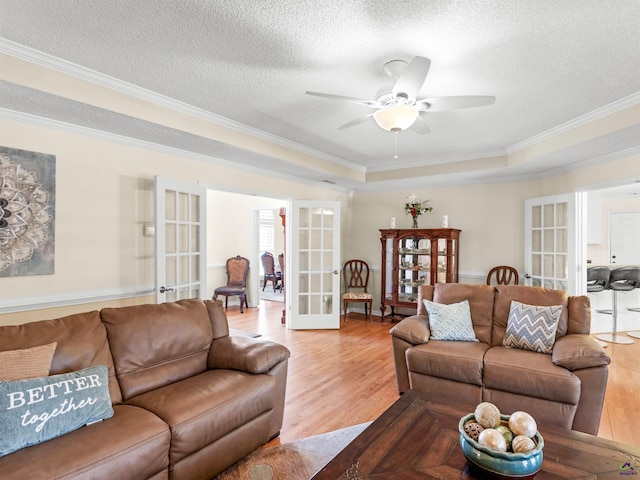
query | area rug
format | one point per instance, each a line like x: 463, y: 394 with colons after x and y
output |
x: 241, y: 333
x: 272, y: 296
x: 298, y: 460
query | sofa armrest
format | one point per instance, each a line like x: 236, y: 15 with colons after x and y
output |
x: 577, y: 351
x: 252, y: 355
x: 414, y: 329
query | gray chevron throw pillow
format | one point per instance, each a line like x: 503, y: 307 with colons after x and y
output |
x: 532, y: 327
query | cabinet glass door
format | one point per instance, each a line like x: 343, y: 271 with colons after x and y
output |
x: 413, y: 266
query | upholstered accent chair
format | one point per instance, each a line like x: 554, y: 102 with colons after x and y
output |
x: 237, y: 270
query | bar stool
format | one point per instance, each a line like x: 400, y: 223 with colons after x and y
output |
x: 636, y: 333
x: 597, y: 281
x: 623, y: 279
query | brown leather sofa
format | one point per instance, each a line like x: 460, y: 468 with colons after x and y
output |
x: 565, y: 388
x: 189, y: 399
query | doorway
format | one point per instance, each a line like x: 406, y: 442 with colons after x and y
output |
x: 232, y: 229
x: 613, y: 229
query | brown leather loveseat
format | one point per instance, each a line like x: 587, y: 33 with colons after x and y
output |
x: 189, y: 399
x: 564, y: 388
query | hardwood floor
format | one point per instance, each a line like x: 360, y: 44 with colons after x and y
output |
x: 339, y: 378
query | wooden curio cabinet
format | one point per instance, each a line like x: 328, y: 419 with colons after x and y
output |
x: 414, y: 257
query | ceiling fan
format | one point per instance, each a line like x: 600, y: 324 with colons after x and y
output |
x: 399, y: 108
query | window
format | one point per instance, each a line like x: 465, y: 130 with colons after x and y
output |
x: 266, y: 231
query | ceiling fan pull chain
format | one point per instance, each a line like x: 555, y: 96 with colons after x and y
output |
x: 395, y: 145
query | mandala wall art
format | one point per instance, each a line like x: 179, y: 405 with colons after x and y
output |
x: 27, y: 212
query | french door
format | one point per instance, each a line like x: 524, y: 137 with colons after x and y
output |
x: 180, y: 240
x: 313, y: 279
x: 551, y: 251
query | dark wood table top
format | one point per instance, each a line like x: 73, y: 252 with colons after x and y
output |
x: 417, y: 439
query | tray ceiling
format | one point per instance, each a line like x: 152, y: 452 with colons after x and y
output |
x: 566, y: 77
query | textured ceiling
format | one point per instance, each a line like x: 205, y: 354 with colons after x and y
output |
x: 553, y: 66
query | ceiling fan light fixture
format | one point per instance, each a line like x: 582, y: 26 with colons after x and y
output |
x: 396, y: 118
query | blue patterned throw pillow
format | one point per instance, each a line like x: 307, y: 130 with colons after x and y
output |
x: 450, y: 322
x: 39, y: 409
x: 531, y: 327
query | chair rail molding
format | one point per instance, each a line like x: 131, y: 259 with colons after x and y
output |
x: 22, y: 304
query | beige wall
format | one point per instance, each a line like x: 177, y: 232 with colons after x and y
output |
x: 104, y: 195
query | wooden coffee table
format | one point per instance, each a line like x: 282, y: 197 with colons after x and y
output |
x: 417, y: 439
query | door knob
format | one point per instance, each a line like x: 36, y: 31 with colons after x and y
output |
x: 166, y: 289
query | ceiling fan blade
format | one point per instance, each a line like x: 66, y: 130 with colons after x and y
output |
x: 412, y: 79
x: 356, y: 121
x: 440, y: 104
x: 359, y: 101
x: 420, y: 126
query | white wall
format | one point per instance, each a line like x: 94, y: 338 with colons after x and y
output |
x: 598, y: 248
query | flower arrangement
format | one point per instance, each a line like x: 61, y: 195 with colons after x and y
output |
x: 416, y: 208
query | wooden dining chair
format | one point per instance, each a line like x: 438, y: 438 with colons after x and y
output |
x: 356, y: 279
x: 270, y: 273
x: 503, y: 275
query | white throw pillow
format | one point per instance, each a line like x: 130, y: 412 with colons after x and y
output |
x: 450, y: 322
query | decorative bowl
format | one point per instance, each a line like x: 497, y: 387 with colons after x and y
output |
x: 501, y: 465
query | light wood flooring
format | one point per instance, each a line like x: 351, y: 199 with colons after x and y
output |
x: 339, y: 378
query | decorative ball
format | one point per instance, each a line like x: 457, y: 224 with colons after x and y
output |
x: 473, y: 429
x: 493, y: 439
x: 521, y: 423
x: 487, y: 415
x: 506, y: 433
x: 522, y: 444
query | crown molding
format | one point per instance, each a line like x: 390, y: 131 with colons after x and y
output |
x: 580, y: 121
x: 86, y: 74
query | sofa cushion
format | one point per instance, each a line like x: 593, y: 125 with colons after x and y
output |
x: 26, y: 362
x: 480, y: 299
x: 81, y: 342
x: 529, y: 374
x: 458, y: 361
x: 156, y: 345
x: 531, y: 296
x: 531, y: 327
x: 102, y: 451
x: 38, y: 409
x: 450, y: 322
x: 201, y: 409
